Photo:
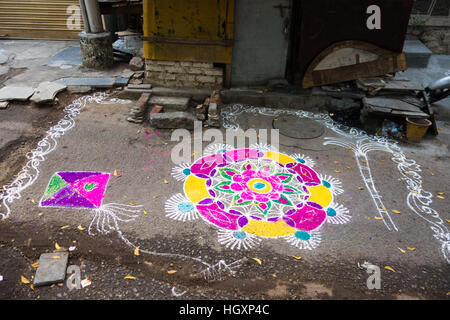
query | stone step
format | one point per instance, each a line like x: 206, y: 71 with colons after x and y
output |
x: 170, y: 103
x: 417, y: 54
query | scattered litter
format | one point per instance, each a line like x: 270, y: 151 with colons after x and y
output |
x: 72, y: 248
x: 85, y: 283
x: 257, y: 260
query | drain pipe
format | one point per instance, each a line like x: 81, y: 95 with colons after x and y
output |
x: 84, y: 15
x: 93, y: 15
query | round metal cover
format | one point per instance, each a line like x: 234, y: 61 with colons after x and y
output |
x: 298, y: 128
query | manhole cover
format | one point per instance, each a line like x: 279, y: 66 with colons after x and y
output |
x: 298, y: 128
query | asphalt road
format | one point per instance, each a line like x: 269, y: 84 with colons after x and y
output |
x: 101, y: 140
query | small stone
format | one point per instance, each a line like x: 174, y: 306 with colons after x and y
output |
x: 4, y: 104
x: 136, y: 64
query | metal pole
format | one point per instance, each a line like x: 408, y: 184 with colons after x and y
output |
x: 93, y: 13
x: 84, y: 15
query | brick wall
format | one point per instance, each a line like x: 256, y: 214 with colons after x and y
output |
x: 183, y: 74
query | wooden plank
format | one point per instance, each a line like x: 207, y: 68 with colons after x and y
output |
x: 394, y: 104
x: 375, y: 68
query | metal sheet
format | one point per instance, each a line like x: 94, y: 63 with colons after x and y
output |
x: 35, y: 19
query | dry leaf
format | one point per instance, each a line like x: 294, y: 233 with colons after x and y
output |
x: 133, y: 203
x: 165, y: 181
x: 80, y: 228
x: 389, y: 268
x: 448, y: 220
x: 32, y: 200
x: 40, y: 214
x: 36, y: 264
x: 24, y: 280
x: 129, y: 277
x: 411, y: 248
x: 401, y: 250
x: 296, y: 257
x: 145, y: 212
x: 116, y: 174
x: 336, y: 162
x: 32, y: 286
x: 65, y: 227
x: 57, y: 247
x: 396, y: 211
x: 337, y: 171
x: 274, y: 275
x: 136, y: 251
x: 440, y: 193
x: 378, y: 218
x: 257, y: 260
x: 361, y: 188
x: 440, y: 197
x: 172, y: 271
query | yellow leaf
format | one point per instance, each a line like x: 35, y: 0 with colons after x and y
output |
x: 296, y: 257
x: 396, y: 211
x: 65, y: 227
x: 440, y: 197
x: 32, y: 200
x: 274, y: 275
x: 116, y: 174
x: 129, y: 277
x: 257, y: 260
x: 136, y: 251
x: 172, y: 271
x: 389, y: 268
x: 24, y: 280
x: 133, y: 203
x: 411, y: 248
x: 32, y: 286
x: 401, y: 250
x: 440, y: 193
x: 378, y: 218
x: 337, y: 171
x: 145, y: 212
x: 40, y: 214
x: 80, y: 228
x: 336, y: 162
x: 154, y: 197
x: 36, y: 264
x: 56, y: 257
x: 165, y: 181
x: 448, y: 220
x: 57, y: 247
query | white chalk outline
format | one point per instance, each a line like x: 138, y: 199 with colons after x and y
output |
x: 361, y: 143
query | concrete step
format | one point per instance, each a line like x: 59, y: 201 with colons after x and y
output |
x: 170, y: 103
x: 417, y: 54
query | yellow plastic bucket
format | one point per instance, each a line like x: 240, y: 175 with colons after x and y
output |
x: 416, y: 128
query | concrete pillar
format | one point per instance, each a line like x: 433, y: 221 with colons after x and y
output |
x: 93, y: 15
x: 96, y: 50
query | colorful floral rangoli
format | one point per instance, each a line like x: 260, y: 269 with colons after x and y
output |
x: 255, y: 193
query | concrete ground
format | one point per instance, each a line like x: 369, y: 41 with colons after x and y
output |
x: 413, y: 261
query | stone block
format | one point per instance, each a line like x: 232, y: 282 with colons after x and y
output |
x: 96, y: 50
x: 136, y: 64
x: 173, y: 120
x: 52, y: 268
x: 174, y: 103
x: 47, y: 91
x: 15, y: 93
x: 206, y: 79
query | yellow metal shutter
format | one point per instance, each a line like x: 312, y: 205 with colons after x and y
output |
x: 37, y: 19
